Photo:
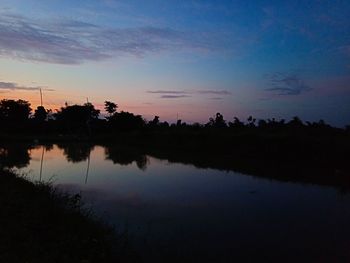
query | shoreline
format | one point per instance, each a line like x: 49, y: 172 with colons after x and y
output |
x: 41, y: 224
x: 320, y: 160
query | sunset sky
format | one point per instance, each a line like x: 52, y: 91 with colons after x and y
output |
x: 181, y: 58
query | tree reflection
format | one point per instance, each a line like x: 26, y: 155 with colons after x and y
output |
x: 15, y: 155
x: 76, y: 152
x: 124, y: 156
x: 48, y: 146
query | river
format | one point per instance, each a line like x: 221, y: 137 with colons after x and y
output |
x: 194, y: 213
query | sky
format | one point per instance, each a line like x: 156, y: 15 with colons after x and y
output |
x: 181, y: 59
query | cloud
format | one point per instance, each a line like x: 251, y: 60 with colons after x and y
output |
x: 214, y: 92
x: 15, y: 86
x: 75, y: 42
x: 287, y: 84
x: 174, y: 96
x: 204, y: 92
x: 166, y: 92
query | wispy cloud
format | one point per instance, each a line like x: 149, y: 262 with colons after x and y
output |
x: 214, y: 92
x: 75, y: 42
x: 202, y: 92
x: 14, y: 86
x: 177, y: 94
x: 167, y: 92
x: 174, y: 96
x: 286, y: 84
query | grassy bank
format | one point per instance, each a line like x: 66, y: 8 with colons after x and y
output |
x: 39, y: 224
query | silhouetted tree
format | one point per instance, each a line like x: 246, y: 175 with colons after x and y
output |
x: 110, y: 107
x: 217, y: 122
x: 164, y: 124
x: 14, y: 110
x: 126, y: 121
x: 40, y: 114
x: 155, y: 122
x: 251, y: 121
x: 197, y: 126
x: 77, y: 117
x: 262, y: 124
x: 296, y: 122
x: 236, y: 123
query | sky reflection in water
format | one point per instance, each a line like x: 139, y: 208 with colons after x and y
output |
x: 196, y: 209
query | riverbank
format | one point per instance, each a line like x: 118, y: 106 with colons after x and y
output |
x: 40, y: 224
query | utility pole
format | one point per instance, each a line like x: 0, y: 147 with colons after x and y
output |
x: 41, y: 97
x: 41, y: 162
x: 88, y: 168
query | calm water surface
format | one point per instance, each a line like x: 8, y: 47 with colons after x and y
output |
x: 216, y: 215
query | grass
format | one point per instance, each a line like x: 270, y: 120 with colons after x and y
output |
x: 40, y: 224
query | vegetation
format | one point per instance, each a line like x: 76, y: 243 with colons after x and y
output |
x: 12, y: 111
x: 86, y: 120
x: 312, y: 152
x: 40, y: 224
x: 110, y: 107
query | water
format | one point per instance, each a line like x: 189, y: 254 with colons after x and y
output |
x: 187, y: 212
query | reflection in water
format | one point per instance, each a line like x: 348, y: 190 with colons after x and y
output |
x: 88, y: 168
x: 14, y: 155
x: 125, y: 156
x: 41, y: 162
x: 205, y: 213
x: 76, y: 152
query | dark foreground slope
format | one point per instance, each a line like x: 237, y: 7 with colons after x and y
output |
x: 39, y: 225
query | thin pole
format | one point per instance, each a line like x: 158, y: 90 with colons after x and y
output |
x: 87, y: 169
x: 41, y: 162
x: 41, y: 97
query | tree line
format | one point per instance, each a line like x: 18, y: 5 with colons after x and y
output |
x: 18, y: 116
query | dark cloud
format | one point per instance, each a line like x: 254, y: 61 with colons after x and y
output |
x: 167, y: 92
x: 174, y: 96
x: 215, y: 92
x: 210, y: 92
x: 14, y: 86
x: 286, y: 84
x: 216, y: 98
x: 74, y: 42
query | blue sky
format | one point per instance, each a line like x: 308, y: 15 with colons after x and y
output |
x: 187, y: 58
